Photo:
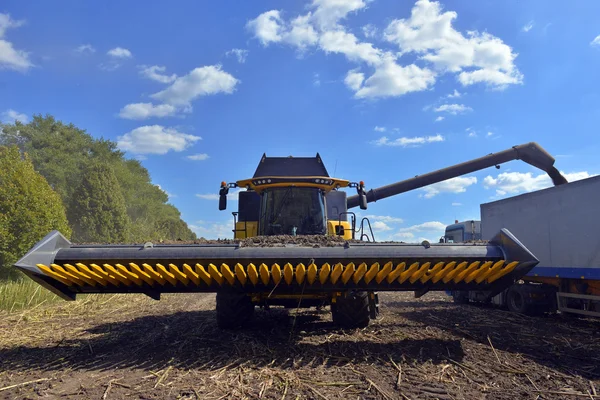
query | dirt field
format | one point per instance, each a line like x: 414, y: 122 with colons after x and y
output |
x: 131, y: 347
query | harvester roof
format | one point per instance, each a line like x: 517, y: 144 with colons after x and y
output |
x: 290, y: 166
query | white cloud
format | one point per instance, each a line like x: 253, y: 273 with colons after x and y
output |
x: 453, y: 109
x: 596, y: 41
x: 11, y: 58
x: 379, y: 129
x: 471, y: 133
x: 320, y: 27
x: 354, y: 80
x: 369, y: 31
x: 202, y: 81
x: 157, y: 73
x: 213, y: 230
x: 385, y: 218
x: 85, y: 48
x: 267, y: 27
x: 403, y: 235
x: 527, y: 27
x: 453, y: 185
x: 517, y: 182
x: 119, y: 52
x: 456, y: 204
x: 454, y: 95
x: 198, y: 157
x: 438, y: 119
x: 425, y: 226
x: 240, y: 54
x: 155, y: 139
x: 430, y: 34
x: 170, y: 195
x: 316, y: 80
x: 380, y: 226
x: 408, y: 142
x: 141, y: 111
x: 11, y: 116
x: 231, y: 196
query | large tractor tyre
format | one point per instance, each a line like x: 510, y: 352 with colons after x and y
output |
x: 351, y: 311
x: 234, y: 310
x: 517, y: 301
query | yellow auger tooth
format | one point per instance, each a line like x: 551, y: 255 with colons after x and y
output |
x: 263, y: 271
x: 311, y: 274
x: 443, y: 272
x: 154, y: 274
x: 381, y: 275
x: 450, y: 275
x: 348, y: 272
x: 360, y: 272
x: 46, y: 270
x: 180, y: 276
x: 215, y: 274
x: 129, y: 275
x: 406, y: 274
x: 67, y: 275
x: 396, y: 272
x: 417, y: 275
x: 324, y: 273
x: 143, y: 275
x: 371, y: 273
x: 429, y: 274
x: 252, y: 274
x: 193, y: 276
x: 84, y: 277
x: 203, y: 274
x: 485, y: 267
x: 166, y: 274
x: 98, y: 269
x: 506, y: 270
x: 227, y: 273
x: 92, y: 274
x: 460, y: 276
x: 336, y: 273
x: 492, y: 270
x: 300, y: 273
x: 241, y: 274
x: 288, y: 273
x: 276, y: 273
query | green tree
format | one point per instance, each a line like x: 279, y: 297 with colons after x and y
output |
x: 29, y: 208
x: 97, y: 210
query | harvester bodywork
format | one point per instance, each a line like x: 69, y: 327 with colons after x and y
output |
x: 286, y: 196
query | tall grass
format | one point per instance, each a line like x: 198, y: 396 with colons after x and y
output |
x: 23, y: 293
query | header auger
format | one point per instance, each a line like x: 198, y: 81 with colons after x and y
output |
x: 292, y: 199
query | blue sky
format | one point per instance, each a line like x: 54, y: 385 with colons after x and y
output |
x: 383, y: 90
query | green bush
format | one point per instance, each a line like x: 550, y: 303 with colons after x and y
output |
x: 29, y: 208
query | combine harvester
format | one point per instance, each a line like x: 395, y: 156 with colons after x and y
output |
x: 559, y: 226
x: 295, y: 197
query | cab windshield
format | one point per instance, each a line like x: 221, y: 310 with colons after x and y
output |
x: 292, y: 211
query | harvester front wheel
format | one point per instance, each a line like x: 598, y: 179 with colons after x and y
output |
x: 351, y: 311
x: 234, y: 310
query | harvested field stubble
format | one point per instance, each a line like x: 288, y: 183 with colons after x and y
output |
x: 131, y: 347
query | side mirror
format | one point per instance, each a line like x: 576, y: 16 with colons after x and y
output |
x: 223, y: 197
x: 363, y: 200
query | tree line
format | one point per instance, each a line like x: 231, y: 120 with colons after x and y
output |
x: 57, y: 176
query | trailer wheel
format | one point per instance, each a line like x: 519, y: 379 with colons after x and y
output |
x: 352, y: 310
x: 234, y: 310
x: 460, y: 297
x: 517, y: 301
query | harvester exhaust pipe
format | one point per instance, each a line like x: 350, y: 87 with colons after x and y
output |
x: 531, y: 153
x: 69, y: 269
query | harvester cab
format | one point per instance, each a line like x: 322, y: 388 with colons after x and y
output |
x: 293, y: 196
x: 293, y: 199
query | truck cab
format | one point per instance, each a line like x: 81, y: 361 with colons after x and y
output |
x: 461, y: 232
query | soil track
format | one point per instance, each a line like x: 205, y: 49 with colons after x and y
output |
x: 131, y: 347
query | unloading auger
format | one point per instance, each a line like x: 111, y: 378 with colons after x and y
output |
x: 294, y: 198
